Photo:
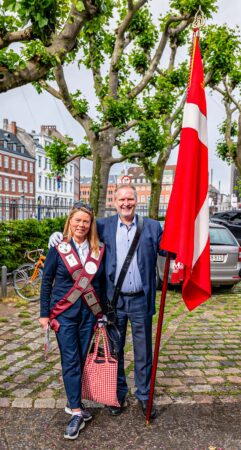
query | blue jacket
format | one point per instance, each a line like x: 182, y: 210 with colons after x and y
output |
x: 147, y: 250
x: 57, y: 282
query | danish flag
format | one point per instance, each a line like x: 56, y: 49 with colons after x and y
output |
x: 186, y: 231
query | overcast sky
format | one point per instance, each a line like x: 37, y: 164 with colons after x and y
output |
x: 31, y: 110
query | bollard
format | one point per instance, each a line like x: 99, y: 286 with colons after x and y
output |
x: 4, y: 281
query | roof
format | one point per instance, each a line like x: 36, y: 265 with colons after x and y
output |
x: 11, y: 138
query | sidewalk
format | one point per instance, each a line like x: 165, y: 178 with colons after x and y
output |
x: 198, y: 389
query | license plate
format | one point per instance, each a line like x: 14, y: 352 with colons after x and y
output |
x: 216, y: 258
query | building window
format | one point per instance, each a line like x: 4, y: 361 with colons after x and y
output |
x: 39, y: 161
x: 1, y: 183
x: 13, y: 166
x: 20, y: 186
x: 13, y: 185
x: 14, y: 147
x: 0, y: 160
x: 54, y: 184
x: 25, y: 187
x: 50, y: 184
x: 143, y: 199
x: 31, y: 187
x: 31, y: 167
x: 71, y: 170
x: 70, y: 186
x: 25, y: 165
x: 46, y: 183
x: 5, y: 144
x: 6, y: 185
x: 22, y: 149
x: 19, y: 165
x: 5, y: 162
x: 45, y: 163
x: 65, y: 186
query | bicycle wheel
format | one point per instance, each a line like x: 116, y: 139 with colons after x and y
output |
x: 23, y: 284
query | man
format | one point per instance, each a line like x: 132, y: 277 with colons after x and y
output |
x: 137, y: 299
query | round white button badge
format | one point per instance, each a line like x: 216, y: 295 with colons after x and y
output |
x: 91, y: 267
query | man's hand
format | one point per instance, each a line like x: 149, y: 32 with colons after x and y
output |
x: 55, y: 239
x: 44, y: 322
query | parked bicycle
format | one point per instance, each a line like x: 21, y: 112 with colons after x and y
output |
x: 27, y: 277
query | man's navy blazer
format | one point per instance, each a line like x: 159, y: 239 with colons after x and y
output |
x: 147, y: 250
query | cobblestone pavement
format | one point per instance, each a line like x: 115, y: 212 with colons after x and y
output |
x: 200, y: 357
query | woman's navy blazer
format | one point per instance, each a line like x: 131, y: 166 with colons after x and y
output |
x: 57, y: 282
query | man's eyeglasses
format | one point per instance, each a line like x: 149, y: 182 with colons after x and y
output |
x: 83, y: 205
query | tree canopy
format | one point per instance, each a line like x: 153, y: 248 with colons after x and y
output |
x: 139, y: 91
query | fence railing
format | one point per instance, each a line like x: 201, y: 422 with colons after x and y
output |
x: 20, y: 211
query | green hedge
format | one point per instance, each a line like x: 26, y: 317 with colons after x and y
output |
x: 17, y: 236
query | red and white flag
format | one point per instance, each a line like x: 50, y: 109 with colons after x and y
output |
x: 186, y: 231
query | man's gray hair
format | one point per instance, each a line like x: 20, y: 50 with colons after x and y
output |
x: 124, y: 186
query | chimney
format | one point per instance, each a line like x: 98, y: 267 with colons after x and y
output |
x: 5, y: 124
x: 13, y: 127
x: 47, y: 129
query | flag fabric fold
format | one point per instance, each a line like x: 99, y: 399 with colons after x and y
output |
x: 186, y: 231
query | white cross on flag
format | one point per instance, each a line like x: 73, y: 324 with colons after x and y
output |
x: 186, y: 231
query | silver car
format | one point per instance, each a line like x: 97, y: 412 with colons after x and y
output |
x: 225, y: 258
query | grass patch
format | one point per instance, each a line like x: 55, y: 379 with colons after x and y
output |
x: 4, y: 319
x: 2, y: 357
x: 24, y: 348
x: 24, y: 314
x: 21, y: 303
x: 25, y: 323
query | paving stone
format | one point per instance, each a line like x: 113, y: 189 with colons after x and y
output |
x: 60, y: 403
x: 215, y: 380
x: 22, y: 402
x: 203, y: 399
x: 48, y: 393
x: 201, y: 388
x: 193, y: 372
x: 20, y: 393
x: 169, y: 381
x: 5, y: 402
x: 235, y: 380
x: 44, y: 403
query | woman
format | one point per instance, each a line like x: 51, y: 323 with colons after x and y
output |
x: 72, y: 283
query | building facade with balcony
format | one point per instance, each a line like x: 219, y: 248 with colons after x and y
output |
x: 17, y: 176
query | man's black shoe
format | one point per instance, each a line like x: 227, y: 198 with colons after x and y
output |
x: 143, y: 404
x: 116, y: 410
x: 74, y: 426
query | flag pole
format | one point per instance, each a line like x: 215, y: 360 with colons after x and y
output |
x: 158, y: 339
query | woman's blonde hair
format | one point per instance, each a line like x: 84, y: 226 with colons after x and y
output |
x: 92, y: 235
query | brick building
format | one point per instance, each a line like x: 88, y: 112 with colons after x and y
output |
x: 17, y: 175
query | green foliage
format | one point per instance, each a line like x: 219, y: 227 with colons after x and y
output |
x: 221, y: 47
x: 227, y: 152
x: 191, y: 6
x: 59, y: 152
x: 20, y: 235
x: 80, y: 104
x: 119, y: 111
x: 42, y: 15
x: 11, y: 60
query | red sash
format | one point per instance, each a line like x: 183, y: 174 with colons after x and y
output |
x: 82, y: 286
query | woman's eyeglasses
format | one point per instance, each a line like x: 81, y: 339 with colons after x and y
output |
x: 78, y: 205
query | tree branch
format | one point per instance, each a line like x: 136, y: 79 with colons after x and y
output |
x: 62, y: 43
x: 124, y: 158
x: 119, y: 46
x: 179, y: 109
x: 159, y: 52
x: 50, y: 89
x: 16, y: 36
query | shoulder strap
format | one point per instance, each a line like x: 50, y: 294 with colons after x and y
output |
x: 127, y: 261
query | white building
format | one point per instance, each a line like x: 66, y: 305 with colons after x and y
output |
x: 50, y: 193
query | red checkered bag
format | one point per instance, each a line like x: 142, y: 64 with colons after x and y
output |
x: 99, y: 379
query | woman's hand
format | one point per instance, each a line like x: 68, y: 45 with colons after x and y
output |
x: 44, y: 322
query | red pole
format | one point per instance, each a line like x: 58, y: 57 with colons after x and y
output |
x: 158, y: 338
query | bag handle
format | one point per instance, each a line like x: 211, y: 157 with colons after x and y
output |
x: 107, y: 355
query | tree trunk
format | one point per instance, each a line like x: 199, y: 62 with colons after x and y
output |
x: 102, y: 162
x: 156, y: 184
x: 238, y: 157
